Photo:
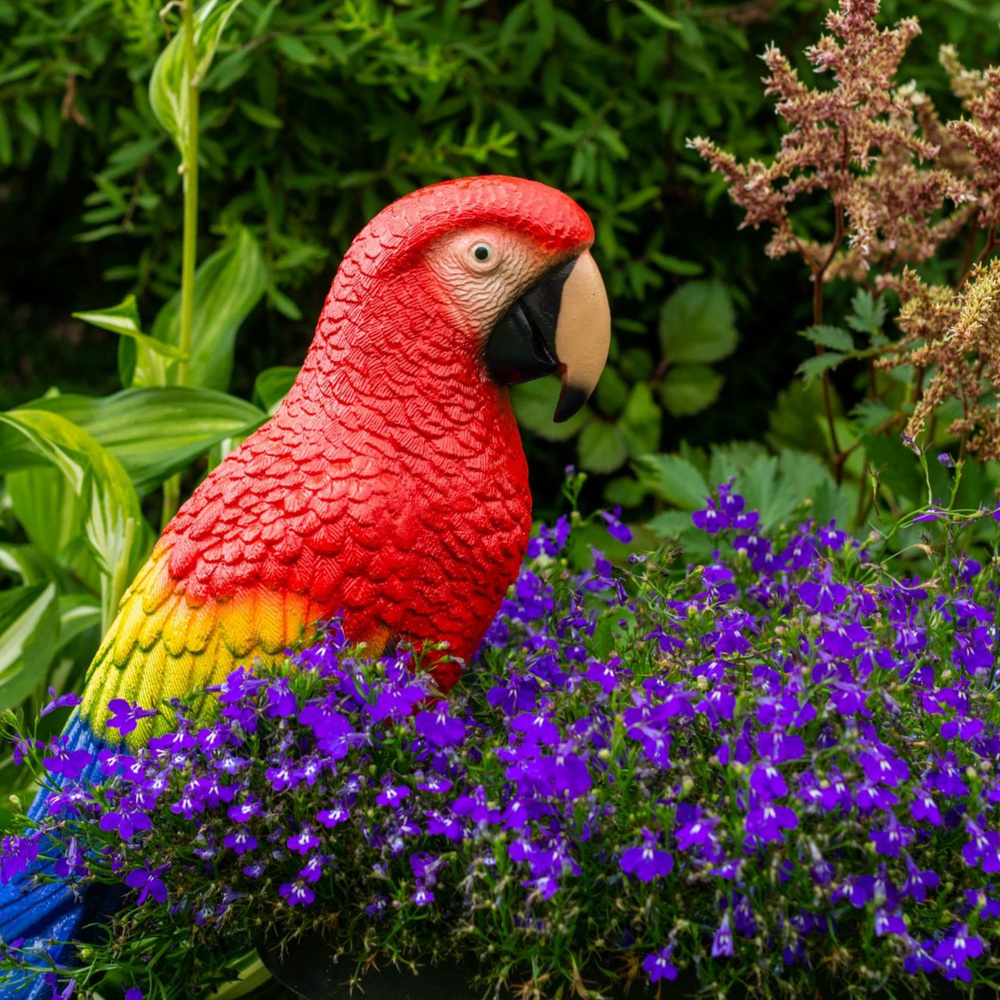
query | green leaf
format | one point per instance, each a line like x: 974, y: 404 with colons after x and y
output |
x: 602, y: 447
x: 167, y: 92
x: 295, y: 50
x: 123, y: 319
x: 535, y: 403
x: 811, y: 368
x: 260, y: 116
x: 641, y: 420
x: 689, y: 389
x: 836, y: 338
x: 676, y: 265
x: 674, y: 479
x: 29, y: 632
x: 272, y: 385
x: 611, y: 392
x: 670, y: 523
x: 156, y: 432
x: 99, y: 503
x: 697, y: 323
x: 657, y: 16
x: 896, y: 468
x: 226, y: 288
x: 868, y: 313
x: 32, y: 565
x: 77, y: 614
x: 869, y: 414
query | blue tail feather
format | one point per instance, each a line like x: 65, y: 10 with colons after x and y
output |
x: 47, y: 915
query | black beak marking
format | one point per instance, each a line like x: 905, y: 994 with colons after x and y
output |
x: 522, y: 345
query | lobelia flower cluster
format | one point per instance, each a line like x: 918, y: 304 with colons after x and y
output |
x: 774, y: 767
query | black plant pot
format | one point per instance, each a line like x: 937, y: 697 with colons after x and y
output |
x: 305, y: 967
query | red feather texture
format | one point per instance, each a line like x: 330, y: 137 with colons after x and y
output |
x: 391, y: 486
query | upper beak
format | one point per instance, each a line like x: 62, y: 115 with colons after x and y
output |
x: 562, y: 324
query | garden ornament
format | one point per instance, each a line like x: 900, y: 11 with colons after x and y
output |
x: 389, y: 488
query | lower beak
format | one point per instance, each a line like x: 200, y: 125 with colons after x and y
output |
x: 562, y: 324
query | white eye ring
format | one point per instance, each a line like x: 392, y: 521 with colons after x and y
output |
x: 482, y: 253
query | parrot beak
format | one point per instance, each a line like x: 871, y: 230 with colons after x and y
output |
x: 562, y: 324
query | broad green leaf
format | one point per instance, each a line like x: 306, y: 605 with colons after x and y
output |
x: 123, y: 319
x: 689, y: 389
x: 104, y: 505
x: 77, y: 614
x: 602, y: 447
x: 636, y: 364
x: 836, y: 338
x: 29, y: 634
x: 226, y: 288
x: 31, y: 564
x: 675, y: 479
x: 697, y: 323
x: 896, y: 467
x: 272, y: 385
x: 811, y: 368
x: 641, y: 420
x: 535, y: 403
x: 156, y: 432
x: 167, y: 92
x: 611, y: 392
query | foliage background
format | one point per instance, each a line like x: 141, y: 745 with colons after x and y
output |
x: 312, y: 117
x: 315, y: 115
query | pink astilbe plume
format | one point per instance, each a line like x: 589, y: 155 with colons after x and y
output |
x: 859, y: 141
x: 902, y: 186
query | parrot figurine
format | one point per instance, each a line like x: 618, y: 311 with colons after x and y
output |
x: 390, y: 488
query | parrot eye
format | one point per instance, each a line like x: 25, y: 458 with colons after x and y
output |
x: 482, y: 252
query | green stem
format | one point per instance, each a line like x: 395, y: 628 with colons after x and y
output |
x: 189, y: 171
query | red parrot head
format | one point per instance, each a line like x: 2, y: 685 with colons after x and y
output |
x: 497, y: 271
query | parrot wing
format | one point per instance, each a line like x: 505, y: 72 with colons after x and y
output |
x: 165, y: 643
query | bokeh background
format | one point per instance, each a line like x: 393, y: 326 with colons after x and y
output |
x: 316, y: 114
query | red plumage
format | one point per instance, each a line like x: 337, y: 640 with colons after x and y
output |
x: 391, y: 486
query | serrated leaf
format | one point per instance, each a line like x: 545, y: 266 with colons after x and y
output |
x: 869, y: 414
x: 812, y: 368
x: 833, y: 337
x: 602, y: 447
x: 674, y: 479
x: 689, y: 389
x: 697, y: 323
x: 123, y: 319
x: 868, y: 313
x: 535, y: 403
x: 155, y: 432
